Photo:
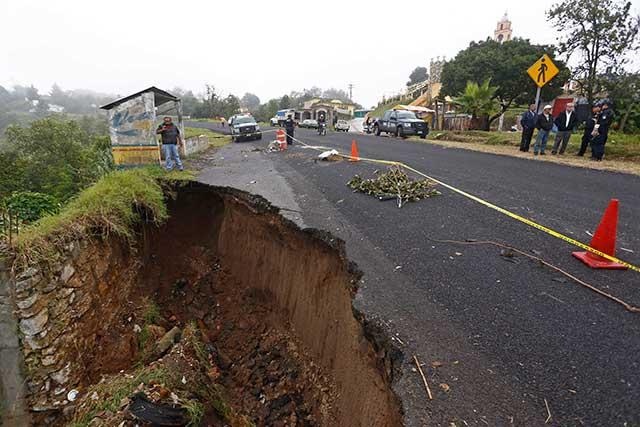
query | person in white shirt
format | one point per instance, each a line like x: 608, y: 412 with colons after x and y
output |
x: 565, y: 122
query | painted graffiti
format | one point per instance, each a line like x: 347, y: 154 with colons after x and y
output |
x: 132, y: 122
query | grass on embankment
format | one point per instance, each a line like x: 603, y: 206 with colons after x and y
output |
x: 113, y: 205
x: 619, y: 146
x: 215, y: 139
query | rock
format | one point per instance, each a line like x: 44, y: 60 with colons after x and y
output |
x: 223, y: 360
x: 69, y: 410
x: 74, y: 282
x: 35, y: 324
x: 167, y: 341
x: 62, y: 376
x: 27, y: 302
x: 48, y: 360
x: 156, y: 331
x: 29, y: 272
x: 67, y: 272
x: 26, y: 285
x: 34, y: 343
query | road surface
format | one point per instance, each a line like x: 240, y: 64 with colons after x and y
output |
x: 502, y: 337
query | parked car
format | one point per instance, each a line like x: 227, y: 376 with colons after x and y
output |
x: 309, y: 123
x: 401, y: 123
x: 274, y: 121
x: 342, y: 125
x: 244, y: 127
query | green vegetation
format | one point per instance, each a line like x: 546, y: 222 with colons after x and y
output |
x: 620, y: 146
x: 505, y: 64
x: 54, y: 156
x: 110, y: 393
x: 478, y: 100
x: 582, y: 24
x: 114, y: 205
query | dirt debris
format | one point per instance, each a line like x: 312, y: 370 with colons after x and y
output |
x: 228, y: 313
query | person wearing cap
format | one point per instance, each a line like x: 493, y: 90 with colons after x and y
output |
x: 544, y: 123
x: 589, y: 125
x: 601, y: 131
x: 566, y: 123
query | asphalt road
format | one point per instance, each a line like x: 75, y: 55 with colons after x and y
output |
x: 508, y: 336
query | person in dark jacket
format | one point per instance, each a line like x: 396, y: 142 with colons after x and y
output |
x: 601, y: 131
x: 528, y: 122
x: 170, y: 141
x: 544, y: 124
x: 565, y: 122
x: 589, y: 125
x: 289, y: 126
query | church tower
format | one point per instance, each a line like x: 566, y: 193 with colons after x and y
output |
x: 503, y: 30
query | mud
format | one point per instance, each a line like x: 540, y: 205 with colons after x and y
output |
x: 272, y: 305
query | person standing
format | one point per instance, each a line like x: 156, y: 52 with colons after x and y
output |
x: 544, y: 123
x: 601, y: 131
x: 589, y: 125
x: 289, y: 126
x: 170, y: 140
x: 528, y: 122
x: 566, y: 123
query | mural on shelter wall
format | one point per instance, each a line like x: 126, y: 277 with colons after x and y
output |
x: 132, y: 122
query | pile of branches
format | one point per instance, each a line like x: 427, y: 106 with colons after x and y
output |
x: 394, y: 184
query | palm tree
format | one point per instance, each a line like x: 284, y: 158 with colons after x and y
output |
x: 478, y: 100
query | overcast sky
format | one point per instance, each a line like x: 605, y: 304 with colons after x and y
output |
x: 122, y: 46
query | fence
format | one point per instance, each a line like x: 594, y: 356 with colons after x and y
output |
x: 457, y: 122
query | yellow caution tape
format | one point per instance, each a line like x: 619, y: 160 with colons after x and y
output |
x: 494, y: 207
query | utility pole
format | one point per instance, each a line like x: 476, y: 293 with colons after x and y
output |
x: 350, y: 86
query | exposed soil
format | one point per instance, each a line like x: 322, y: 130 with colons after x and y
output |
x: 269, y: 334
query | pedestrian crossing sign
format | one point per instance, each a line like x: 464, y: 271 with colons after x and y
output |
x: 542, y: 70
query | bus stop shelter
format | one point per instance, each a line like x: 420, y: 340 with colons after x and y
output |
x: 132, y: 125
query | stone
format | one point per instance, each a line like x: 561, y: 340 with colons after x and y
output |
x: 50, y: 350
x: 34, y: 343
x: 62, y: 376
x: 50, y: 286
x: 74, y: 282
x: 26, y: 285
x: 167, y: 341
x: 67, y: 272
x: 27, y: 302
x: 38, y: 305
x: 35, y: 324
x: 29, y: 272
x: 48, y: 360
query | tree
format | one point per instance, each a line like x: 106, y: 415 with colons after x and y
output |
x: 419, y: 74
x: 333, y: 93
x: 479, y: 101
x: 624, y: 89
x: 250, y: 101
x: 599, y: 34
x: 229, y: 106
x: 505, y: 64
x: 285, y: 102
x: 52, y: 156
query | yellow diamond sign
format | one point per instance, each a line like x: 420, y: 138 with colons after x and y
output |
x: 543, y: 70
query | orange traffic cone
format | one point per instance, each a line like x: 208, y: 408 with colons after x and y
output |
x: 355, y: 157
x: 604, y: 240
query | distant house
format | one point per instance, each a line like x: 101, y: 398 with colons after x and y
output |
x: 330, y: 108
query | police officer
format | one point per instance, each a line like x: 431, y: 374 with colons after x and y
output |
x: 601, y: 131
x: 589, y: 125
x: 289, y: 126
